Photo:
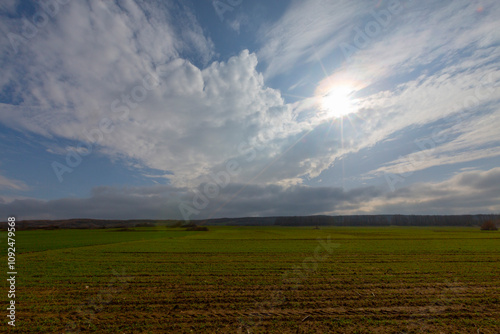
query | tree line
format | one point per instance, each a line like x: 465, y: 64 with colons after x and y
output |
x: 386, y: 220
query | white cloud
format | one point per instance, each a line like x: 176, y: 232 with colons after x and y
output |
x: 11, y: 184
x: 472, y: 139
x: 91, y: 57
x: 64, y: 81
x: 92, y: 54
x: 465, y: 193
x: 235, y: 25
x: 433, y: 61
x: 308, y: 29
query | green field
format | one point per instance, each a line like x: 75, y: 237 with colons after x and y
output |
x: 257, y: 280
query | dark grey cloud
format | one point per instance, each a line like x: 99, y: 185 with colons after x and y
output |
x: 467, y: 192
x: 162, y: 202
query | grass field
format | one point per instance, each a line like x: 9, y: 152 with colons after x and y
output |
x: 257, y: 280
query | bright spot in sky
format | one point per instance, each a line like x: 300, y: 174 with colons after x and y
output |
x: 338, y: 102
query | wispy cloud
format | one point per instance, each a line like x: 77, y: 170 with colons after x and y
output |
x: 307, y: 26
x: 465, y: 193
x: 12, y: 184
x: 432, y: 62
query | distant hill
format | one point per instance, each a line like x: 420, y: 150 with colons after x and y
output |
x: 88, y: 224
x: 386, y: 220
x: 353, y: 220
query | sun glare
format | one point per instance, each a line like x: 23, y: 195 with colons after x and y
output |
x: 338, y: 102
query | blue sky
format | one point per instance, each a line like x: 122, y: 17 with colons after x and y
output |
x: 200, y: 109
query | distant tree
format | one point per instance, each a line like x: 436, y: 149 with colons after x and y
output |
x: 145, y: 224
x: 177, y: 223
x: 197, y: 228
x: 489, y: 225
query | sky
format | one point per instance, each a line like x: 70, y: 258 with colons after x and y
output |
x: 207, y: 109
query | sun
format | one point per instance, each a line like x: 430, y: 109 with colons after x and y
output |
x: 338, y: 102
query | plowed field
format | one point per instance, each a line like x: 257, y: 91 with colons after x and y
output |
x: 257, y: 280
